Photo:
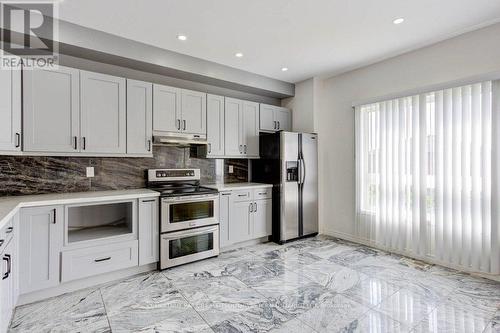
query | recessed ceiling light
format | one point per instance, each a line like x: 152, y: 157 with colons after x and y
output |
x: 239, y: 55
x: 398, y: 20
x: 182, y: 37
x: 284, y: 69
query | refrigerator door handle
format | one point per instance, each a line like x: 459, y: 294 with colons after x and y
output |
x: 299, y: 165
x: 303, y: 168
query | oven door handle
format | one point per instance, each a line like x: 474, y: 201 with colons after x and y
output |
x: 185, y: 233
x: 190, y: 198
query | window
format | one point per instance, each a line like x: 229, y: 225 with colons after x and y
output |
x: 424, y: 165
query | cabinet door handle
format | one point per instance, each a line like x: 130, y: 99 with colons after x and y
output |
x: 242, y: 195
x: 184, y: 125
x: 102, y: 259
x: 275, y: 124
x: 149, y: 145
x: 2, y: 241
x: 178, y: 124
x: 75, y: 142
x: 209, y: 148
x: 241, y: 149
x: 255, y: 210
x: 149, y: 200
x: 245, y: 149
x: 18, y: 140
x: 84, y: 143
x: 9, y: 266
x: 279, y: 125
x: 9, y: 230
x: 54, y: 211
x: 250, y: 207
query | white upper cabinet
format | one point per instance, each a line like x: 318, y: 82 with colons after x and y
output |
x: 215, y: 126
x: 251, y: 129
x: 10, y: 110
x: 194, y: 112
x: 139, y: 117
x: 103, y: 113
x: 179, y: 111
x: 233, y: 127
x: 274, y: 118
x: 242, y: 128
x: 51, y: 110
x: 166, y: 109
x: 283, y: 118
x: 267, y: 122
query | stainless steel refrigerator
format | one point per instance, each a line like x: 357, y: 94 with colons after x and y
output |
x: 289, y: 161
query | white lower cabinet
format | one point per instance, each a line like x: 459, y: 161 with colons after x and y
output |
x: 89, y: 261
x: 41, y: 240
x: 149, y: 231
x: 244, y: 215
x: 262, y: 214
x: 7, y: 297
x: 239, y: 221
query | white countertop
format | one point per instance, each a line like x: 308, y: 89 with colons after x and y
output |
x: 236, y: 186
x: 9, y: 206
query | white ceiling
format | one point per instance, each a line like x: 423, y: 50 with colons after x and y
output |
x: 310, y: 37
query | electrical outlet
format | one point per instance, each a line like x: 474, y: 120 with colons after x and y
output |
x: 231, y: 169
x: 90, y: 172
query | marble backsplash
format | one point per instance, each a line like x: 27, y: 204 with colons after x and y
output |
x: 20, y: 175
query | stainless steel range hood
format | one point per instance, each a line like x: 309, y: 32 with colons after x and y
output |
x: 179, y: 139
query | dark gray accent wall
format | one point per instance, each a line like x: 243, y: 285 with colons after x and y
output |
x: 20, y: 175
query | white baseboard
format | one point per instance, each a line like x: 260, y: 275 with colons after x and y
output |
x: 358, y: 240
x: 93, y: 281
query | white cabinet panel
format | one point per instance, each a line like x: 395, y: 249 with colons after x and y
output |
x: 166, y: 109
x: 10, y: 109
x: 139, y: 117
x: 149, y: 226
x: 267, y: 122
x: 41, y: 240
x: 239, y: 221
x: 224, y: 219
x: 251, y: 129
x: 262, y: 218
x: 194, y: 112
x: 233, y: 127
x: 80, y: 263
x: 51, y: 110
x: 283, y: 119
x: 6, y: 287
x: 275, y: 118
x: 103, y: 113
x: 215, y: 126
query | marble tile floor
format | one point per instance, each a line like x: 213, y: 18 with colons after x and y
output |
x: 319, y: 284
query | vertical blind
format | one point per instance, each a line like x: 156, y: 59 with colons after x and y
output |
x: 428, y: 175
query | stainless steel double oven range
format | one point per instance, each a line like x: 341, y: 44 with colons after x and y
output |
x: 189, y: 216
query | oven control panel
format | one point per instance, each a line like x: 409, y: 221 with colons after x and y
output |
x: 173, y: 174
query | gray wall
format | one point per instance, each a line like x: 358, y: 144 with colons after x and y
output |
x: 468, y: 55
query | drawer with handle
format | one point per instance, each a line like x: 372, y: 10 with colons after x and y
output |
x: 262, y: 193
x: 242, y: 195
x: 80, y: 263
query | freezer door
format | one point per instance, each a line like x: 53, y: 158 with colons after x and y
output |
x: 309, y: 174
x: 289, y: 221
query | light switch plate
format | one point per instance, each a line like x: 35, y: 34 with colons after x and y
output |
x: 231, y: 169
x: 90, y: 171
